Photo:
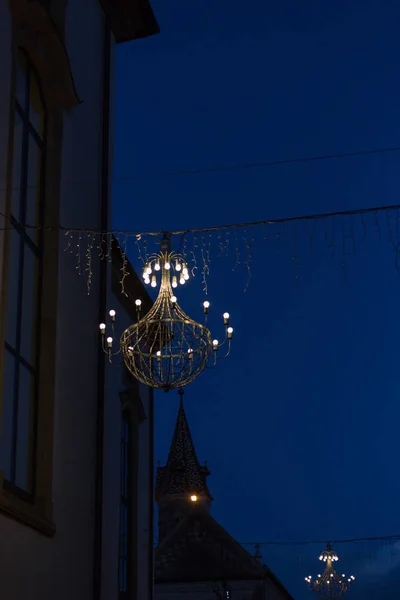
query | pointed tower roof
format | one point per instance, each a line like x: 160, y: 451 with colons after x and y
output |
x: 183, y: 473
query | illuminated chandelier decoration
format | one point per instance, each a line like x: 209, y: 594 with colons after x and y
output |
x: 330, y: 585
x: 166, y: 349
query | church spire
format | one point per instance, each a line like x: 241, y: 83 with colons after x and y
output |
x: 183, y: 476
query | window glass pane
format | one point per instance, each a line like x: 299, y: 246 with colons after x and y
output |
x: 17, y: 166
x: 36, y: 109
x: 21, y: 81
x: 29, y: 305
x: 7, y: 411
x: 33, y: 191
x: 25, y: 428
x: 12, y: 287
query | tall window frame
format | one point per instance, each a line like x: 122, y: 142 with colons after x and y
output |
x: 125, y: 508
x: 24, y: 273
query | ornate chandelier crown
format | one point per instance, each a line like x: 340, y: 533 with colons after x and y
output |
x: 166, y: 349
x: 330, y: 585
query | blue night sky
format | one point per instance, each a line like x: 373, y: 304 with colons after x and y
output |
x: 299, y: 426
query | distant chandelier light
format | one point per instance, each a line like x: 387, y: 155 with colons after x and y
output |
x: 330, y: 585
x: 166, y: 349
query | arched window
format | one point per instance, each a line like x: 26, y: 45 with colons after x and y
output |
x: 125, y: 506
x: 23, y: 284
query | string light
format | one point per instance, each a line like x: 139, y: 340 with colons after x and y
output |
x: 390, y: 538
x: 383, y: 538
x: 338, y: 232
x: 242, y: 225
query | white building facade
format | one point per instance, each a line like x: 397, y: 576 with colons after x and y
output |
x: 62, y: 413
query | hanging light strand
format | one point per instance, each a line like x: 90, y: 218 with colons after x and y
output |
x: 339, y: 237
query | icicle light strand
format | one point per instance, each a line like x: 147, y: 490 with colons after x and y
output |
x: 341, y: 235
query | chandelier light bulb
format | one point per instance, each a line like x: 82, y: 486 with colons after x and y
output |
x: 157, y: 266
x: 144, y: 274
x: 229, y: 332
x: 215, y: 344
x: 109, y: 342
x: 138, y: 302
x: 112, y: 314
x: 147, y: 280
x: 178, y: 266
x: 153, y: 281
x: 190, y: 353
x: 226, y: 318
x: 185, y: 269
x: 167, y: 266
x: 174, y: 282
x: 182, y: 280
x: 174, y: 299
x: 102, y: 328
x: 186, y: 276
x: 148, y: 270
x: 158, y: 355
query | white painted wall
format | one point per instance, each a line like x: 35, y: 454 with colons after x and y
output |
x: 241, y: 590
x: 112, y: 464
x: 34, y: 566
x: 111, y: 496
x: 71, y: 559
x: 146, y: 487
x: 272, y: 592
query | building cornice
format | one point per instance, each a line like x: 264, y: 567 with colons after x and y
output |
x: 36, y: 32
x: 130, y: 19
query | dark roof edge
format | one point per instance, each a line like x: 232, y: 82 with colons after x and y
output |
x: 160, y: 581
x: 269, y: 574
x: 239, y: 546
x: 130, y: 19
x: 277, y: 582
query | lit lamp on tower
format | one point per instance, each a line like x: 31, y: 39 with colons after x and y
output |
x: 166, y: 349
x: 330, y: 585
